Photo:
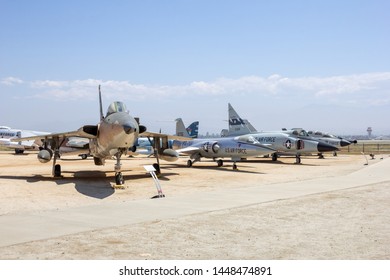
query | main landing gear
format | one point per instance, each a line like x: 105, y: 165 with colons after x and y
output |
x: 298, y: 159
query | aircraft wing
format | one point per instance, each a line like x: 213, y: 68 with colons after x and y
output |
x: 188, y: 150
x: 86, y: 131
x: 160, y: 135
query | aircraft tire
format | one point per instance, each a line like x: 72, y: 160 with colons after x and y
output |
x: 219, y: 162
x: 157, y: 167
x: 234, y: 166
x: 119, y: 179
x: 57, y: 170
x: 274, y: 157
x: 189, y: 163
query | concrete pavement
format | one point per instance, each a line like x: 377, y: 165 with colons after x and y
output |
x: 26, y: 227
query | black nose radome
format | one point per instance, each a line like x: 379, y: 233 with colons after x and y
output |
x: 323, y: 147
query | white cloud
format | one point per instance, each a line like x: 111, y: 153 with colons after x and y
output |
x: 370, y: 87
x: 10, y: 81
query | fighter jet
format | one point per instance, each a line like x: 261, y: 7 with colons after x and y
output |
x: 281, y: 141
x: 113, y: 136
x: 318, y: 136
x: 236, y: 148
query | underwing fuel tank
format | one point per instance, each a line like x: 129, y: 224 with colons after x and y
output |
x: 169, y: 155
x: 44, y: 156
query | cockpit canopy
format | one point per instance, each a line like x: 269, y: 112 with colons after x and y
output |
x: 299, y: 132
x: 247, y: 139
x: 116, y: 107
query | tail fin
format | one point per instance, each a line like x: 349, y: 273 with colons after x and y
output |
x: 193, y: 129
x: 238, y: 126
x: 180, y: 128
x: 101, y: 105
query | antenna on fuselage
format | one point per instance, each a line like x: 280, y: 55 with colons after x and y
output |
x: 101, y: 105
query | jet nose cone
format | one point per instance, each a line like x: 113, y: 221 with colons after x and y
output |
x: 324, y: 147
x: 344, y: 143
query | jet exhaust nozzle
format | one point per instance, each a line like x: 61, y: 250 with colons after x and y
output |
x: 45, y: 156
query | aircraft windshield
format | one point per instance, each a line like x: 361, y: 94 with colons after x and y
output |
x: 116, y: 107
x: 248, y: 139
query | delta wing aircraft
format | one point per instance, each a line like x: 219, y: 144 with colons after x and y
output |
x: 280, y: 141
x: 324, y: 138
x: 236, y: 148
x: 8, y: 134
x: 113, y: 136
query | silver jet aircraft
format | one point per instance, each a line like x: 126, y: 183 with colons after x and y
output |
x: 113, y: 136
x: 236, y: 148
x: 280, y: 141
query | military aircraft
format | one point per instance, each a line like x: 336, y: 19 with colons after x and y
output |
x: 8, y: 134
x: 281, y: 141
x: 113, y: 136
x: 237, y: 148
x: 318, y: 136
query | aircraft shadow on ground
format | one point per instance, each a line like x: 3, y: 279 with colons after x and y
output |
x: 225, y: 168
x: 95, y: 184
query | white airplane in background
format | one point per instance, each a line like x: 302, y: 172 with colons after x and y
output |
x: 7, y: 140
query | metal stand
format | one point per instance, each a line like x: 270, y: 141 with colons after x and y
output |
x: 152, y: 170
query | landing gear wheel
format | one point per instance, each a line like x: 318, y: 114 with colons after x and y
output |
x: 219, y: 162
x: 189, y: 163
x: 274, y: 157
x: 298, y: 160
x: 157, y: 167
x: 335, y: 154
x: 234, y: 166
x: 119, y: 181
x: 57, y: 170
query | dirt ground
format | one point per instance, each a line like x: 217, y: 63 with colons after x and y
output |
x: 347, y: 224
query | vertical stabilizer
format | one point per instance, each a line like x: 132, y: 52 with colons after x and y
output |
x: 238, y: 126
x: 193, y: 129
x: 180, y: 128
x: 101, y: 105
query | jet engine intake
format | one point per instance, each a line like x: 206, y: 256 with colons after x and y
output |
x: 300, y: 144
x: 211, y: 147
x: 45, y: 155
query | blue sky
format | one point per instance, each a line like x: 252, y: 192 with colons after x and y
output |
x: 320, y: 65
